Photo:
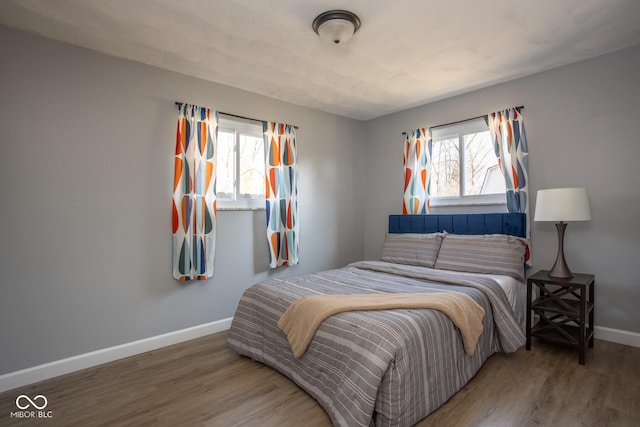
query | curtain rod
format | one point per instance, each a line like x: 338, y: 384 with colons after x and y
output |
x: 520, y: 107
x: 179, y: 104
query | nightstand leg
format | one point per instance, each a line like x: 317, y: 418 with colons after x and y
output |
x: 591, y: 315
x: 583, y: 329
x: 528, y: 316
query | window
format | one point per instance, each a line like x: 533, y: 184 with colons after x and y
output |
x: 240, y: 165
x: 465, y: 169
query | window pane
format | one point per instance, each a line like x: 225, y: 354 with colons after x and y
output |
x: 482, y: 173
x: 251, y: 167
x: 225, y: 165
x: 445, y: 162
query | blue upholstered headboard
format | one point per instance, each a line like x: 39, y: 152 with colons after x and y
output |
x: 486, y: 223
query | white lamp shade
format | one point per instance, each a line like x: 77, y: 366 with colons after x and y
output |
x: 562, y: 204
x: 336, y: 30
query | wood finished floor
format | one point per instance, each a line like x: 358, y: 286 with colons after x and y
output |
x: 201, y: 382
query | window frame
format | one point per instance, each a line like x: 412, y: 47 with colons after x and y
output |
x: 459, y: 130
x: 239, y: 127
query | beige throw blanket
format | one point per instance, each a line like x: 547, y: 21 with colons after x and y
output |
x: 301, y: 320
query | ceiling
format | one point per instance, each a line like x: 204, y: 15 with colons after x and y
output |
x: 407, y: 52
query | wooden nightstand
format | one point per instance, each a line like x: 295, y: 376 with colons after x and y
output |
x: 564, y: 308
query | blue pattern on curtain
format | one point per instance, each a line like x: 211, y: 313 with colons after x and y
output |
x: 417, y: 172
x: 281, y: 195
x: 510, y: 145
x: 194, y: 199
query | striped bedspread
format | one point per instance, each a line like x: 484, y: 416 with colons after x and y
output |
x: 386, y: 367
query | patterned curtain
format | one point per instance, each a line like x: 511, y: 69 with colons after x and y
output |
x: 194, y: 198
x: 417, y: 172
x: 510, y: 145
x: 281, y: 173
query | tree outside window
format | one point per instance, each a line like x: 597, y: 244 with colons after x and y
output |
x: 240, y: 165
x: 464, y: 163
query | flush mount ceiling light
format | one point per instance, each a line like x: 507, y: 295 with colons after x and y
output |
x: 336, y: 26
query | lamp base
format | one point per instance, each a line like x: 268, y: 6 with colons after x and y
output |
x: 560, y: 268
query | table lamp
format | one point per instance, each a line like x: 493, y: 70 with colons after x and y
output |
x: 560, y: 205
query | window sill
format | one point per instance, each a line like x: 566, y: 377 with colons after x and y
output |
x: 233, y: 208
x: 484, y: 200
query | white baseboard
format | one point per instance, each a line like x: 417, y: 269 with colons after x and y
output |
x: 82, y: 361
x: 617, y: 336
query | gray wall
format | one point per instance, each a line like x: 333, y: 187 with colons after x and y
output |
x: 87, y: 149
x: 582, y: 127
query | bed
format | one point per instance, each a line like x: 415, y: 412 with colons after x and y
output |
x: 393, y: 367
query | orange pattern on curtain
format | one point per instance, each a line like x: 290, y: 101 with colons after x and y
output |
x: 281, y: 195
x: 510, y: 146
x: 194, y: 199
x: 417, y: 168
